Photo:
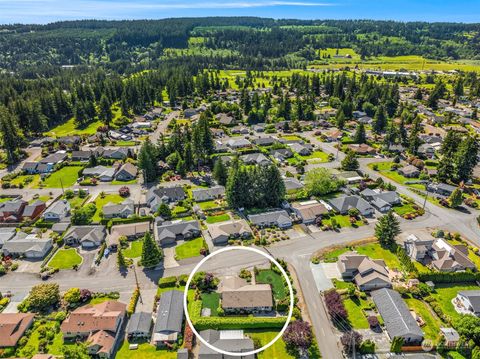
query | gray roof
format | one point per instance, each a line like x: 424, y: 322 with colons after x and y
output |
x: 343, y: 204
x: 87, y: 233
x: 230, y: 345
x: 395, y: 313
x: 58, y: 207
x: 139, y: 322
x: 111, y: 209
x: 23, y: 243
x: 473, y: 297
x: 99, y: 171
x: 30, y: 209
x: 6, y: 234
x: 258, y: 158
x: 280, y: 216
x: 171, y: 230
x: 205, y: 194
x: 292, y: 184
x: 170, y: 312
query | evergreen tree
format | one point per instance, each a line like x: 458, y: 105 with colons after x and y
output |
x: 380, y: 120
x: 105, y: 113
x: 466, y: 159
x: 181, y: 168
x: 164, y: 211
x: 147, y: 161
x: 220, y: 173
x: 350, y: 162
x: 151, y: 253
x: 360, y: 135
x: 121, y: 262
x: 387, y: 229
x: 340, y: 119
x: 10, y: 134
x: 271, y: 186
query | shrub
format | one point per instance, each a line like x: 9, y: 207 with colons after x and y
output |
x: 133, y: 302
x: 167, y: 282
x: 373, y: 321
x: 367, y: 347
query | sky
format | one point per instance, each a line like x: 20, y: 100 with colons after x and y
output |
x: 45, y: 11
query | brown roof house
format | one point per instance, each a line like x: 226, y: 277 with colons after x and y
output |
x: 362, y: 149
x: 13, y: 326
x: 368, y: 274
x: 308, y: 211
x: 409, y: 171
x: 240, y: 297
x: 222, y: 232
x: 99, y: 325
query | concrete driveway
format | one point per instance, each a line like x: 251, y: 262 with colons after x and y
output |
x: 320, y: 277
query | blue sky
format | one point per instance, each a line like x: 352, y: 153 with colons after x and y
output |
x: 44, y: 11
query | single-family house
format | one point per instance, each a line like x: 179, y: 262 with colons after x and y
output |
x: 361, y: 149
x: 292, y: 184
x: 309, y: 211
x: 168, y: 323
x: 83, y: 156
x: 104, y: 174
x: 301, y: 148
x: 333, y: 136
x: 13, y: 326
x: 265, y: 141
x: 128, y: 172
x: 426, y: 150
x: 281, y: 154
x: 55, y: 158
x: 139, y: 326
x: 468, y: 301
x: 344, y: 203
x: 238, y: 296
x: 98, y: 325
x: 233, y: 341
x: 409, y: 171
x: 6, y: 233
x: 33, y: 210
x: 450, y: 336
x: 442, y: 189
x: 279, y: 218
x: 158, y: 195
x: 398, y: 320
x: 90, y: 236
x: 236, y: 143
x: 28, y: 246
x: 58, y: 211
x: 121, y: 210
x: 381, y: 200
x: 368, y: 274
x: 208, y: 194
x: 255, y: 159
x: 225, y: 119
x: 169, y: 232
x: 12, y: 210
x: 222, y: 232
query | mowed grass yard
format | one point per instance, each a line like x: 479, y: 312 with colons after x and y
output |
x: 432, y: 322
x: 444, y: 293
x: 134, y: 250
x: 384, y: 168
x: 68, y: 128
x: 211, y: 300
x: 102, y: 201
x: 277, y: 350
x: 65, y: 259
x: 144, y: 351
x: 355, y: 314
x: 34, y: 340
x: 66, y: 177
x: 342, y: 220
x: 190, y: 248
x: 267, y: 276
x: 315, y: 157
x: 218, y: 218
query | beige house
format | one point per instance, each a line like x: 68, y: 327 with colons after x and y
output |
x: 240, y: 297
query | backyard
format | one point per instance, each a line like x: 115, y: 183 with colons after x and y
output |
x: 268, y: 276
x: 342, y: 221
x: 144, y: 351
x: 444, y: 293
x: 211, y: 300
x: 65, y: 259
x: 218, y: 218
x: 355, y: 313
x: 102, y: 201
x: 190, y: 248
x: 134, y: 250
x: 33, y: 342
x: 68, y: 128
x: 65, y: 177
x: 265, y: 336
x: 315, y: 157
x: 432, y: 322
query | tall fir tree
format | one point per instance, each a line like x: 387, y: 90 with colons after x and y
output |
x: 151, y: 253
x: 360, y: 135
x: 387, y: 229
x: 220, y: 172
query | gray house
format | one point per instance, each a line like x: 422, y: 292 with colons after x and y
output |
x: 139, y: 326
x: 398, y: 320
x: 6, y: 234
x: 255, y: 159
x: 469, y: 300
x: 208, y: 194
x: 222, y: 232
x: 168, y: 323
x: 128, y: 172
x: 169, y: 232
x: 231, y: 341
x: 343, y: 204
x: 28, y: 246
x: 278, y: 218
x: 122, y: 210
x: 57, y: 211
x: 157, y: 196
x: 86, y: 236
x: 382, y: 201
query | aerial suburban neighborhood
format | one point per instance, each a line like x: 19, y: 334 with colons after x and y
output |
x: 127, y: 163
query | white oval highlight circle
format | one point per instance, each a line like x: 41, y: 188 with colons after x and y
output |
x: 226, y: 249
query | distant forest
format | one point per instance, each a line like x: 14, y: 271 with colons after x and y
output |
x: 239, y: 42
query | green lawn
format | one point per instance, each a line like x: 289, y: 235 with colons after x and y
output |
x: 126, y: 143
x: 404, y: 209
x: 144, y: 351
x: 220, y: 218
x: 190, y: 248
x: 100, y: 202
x: 208, y: 205
x: 65, y: 259
x: 39, y: 198
x: 123, y: 183
x: 211, y: 300
x: 134, y: 250
x: 432, y: 322
x: 375, y: 251
x: 268, y: 276
x: 444, y: 293
x: 332, y: 256
x: 342, y: 221
x: 384, y: 168
x: 316, y: 157
x: 355, y: 314
x: 68, y: 128
x: 291, y: 138
x: 76, y: 201
x: 28, y: 181
x: 5, y: 199
x: 66, y: 177
x: 277, y: 350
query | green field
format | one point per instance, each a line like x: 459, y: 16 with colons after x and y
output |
x: 190, y: 248
x: 211, y: 300
x: 355, y: 314
x: 134, y: 250
x: 432, y: 322
x: 375, y: 251
x: 315, y: 157
x: 277, y: 350
x: 144, y: 351
x: 65, y: 259
x: 100, y: 202
x: 66, y: 177
x: 268, y: 276
x: 342, y: 220
x: 208, y: 205
x: 444, y: 293
x: 220, y: 218
x: 68, y: 129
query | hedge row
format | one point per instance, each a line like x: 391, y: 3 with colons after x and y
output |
x: 114, y: 221
x: 133, y: 302
x: 167, y: 282
x: 449, y: 277
x: 220, y: 323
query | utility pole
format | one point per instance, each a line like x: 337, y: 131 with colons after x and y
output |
x: 61, y: 183
x: 136, y: 281
x: 426, y: 195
